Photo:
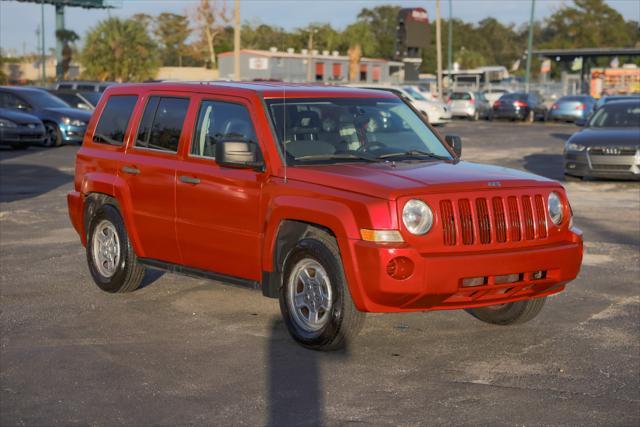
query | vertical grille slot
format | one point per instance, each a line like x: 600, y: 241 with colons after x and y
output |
x: 514, y: 219
x: 541, y: 217
x: 448, y: 222
x: 499, y: 220
x: 484, y: 223
x: 528, y: 217
x: 466, y: 221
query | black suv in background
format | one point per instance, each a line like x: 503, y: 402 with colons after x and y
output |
x: 520, y: 106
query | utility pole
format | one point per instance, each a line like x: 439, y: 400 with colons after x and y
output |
x: 527, y: 76
x: 44, y: 56
x: 236, y: 41
x: 439, y: 48
x: 450, y: 41
x: 310, y: 57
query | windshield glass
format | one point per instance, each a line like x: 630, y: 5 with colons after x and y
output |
x: 326, y: 131
x: 460, y: 96
x: 42, y: 99
x: 414, y: 93
x: 617, y: 115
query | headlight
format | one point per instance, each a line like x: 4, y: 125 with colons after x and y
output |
x: 417, y: 217
x: 572, y: 146
x: 4, y: 123
x: 73, y: 122
x: 554, y: 205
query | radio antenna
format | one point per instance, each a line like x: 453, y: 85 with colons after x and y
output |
x: 284, y: 129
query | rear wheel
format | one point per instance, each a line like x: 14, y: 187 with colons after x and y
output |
x: 509, y: 314
x: 112, y: 261
x: 530, y: 117
x: 475, y: 116
x: 315, y: 301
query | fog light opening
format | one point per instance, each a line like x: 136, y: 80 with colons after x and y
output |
x: 400, y: 268
x: 508, y: 278
x: 470, y: 282
x: 539, y: 275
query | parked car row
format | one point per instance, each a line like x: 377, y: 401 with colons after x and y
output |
x: 30, y: 115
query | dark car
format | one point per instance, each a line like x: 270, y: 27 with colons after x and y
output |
x: 609, y: 144
x: 81, y: 100
x: 572, y: 108
x: 19, y: 130
x: 62, y: 123
x: 609, y: 98
x: 520, y: 106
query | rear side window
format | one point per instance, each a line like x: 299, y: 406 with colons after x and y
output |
x: 220, y: 121
x: 162, y: 123
x: 114, y: 119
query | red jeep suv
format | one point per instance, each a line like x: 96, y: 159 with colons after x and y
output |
x: 338, y: 201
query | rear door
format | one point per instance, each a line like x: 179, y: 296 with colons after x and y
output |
x: 149, y: 169
x: 218, y: 217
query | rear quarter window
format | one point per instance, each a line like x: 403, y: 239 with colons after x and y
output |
x: 114, y: 120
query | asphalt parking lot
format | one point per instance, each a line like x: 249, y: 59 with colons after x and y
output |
x: 184, y: 351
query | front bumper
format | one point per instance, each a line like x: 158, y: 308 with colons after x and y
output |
x: 21, y: 136
x: 582, y: 163
x: 436, y: 282
x: 72, y: 133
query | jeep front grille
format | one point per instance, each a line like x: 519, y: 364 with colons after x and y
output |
x: 478, y: 221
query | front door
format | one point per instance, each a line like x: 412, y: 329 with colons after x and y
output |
x: 218, y: 218
x: 149, y: 168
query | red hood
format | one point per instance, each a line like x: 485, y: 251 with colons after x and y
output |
x: 387, y: 181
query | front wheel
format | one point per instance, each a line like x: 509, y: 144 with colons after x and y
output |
x: 509, y: 314
x: 112, y: 261
x: 52, y: 136
x: 315, y: 301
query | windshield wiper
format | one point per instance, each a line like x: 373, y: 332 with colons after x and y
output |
x: 413, y: 153
x: 340, y: 156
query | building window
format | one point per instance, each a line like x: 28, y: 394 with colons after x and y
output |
x: 337, y: 71
x: 363, y: 72
x: 376, y: 74
x: 319, y: 71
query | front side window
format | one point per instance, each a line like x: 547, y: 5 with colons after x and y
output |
x: 333, y: 130
x: 114, y: 120
x: 8, y: 100
x: 220, y: 121
x: 162, y: 123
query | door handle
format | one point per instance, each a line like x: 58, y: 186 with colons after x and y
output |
x: 129, y: 169
x: 189, y: 179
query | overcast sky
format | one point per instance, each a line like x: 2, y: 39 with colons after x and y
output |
x: 19, y: 21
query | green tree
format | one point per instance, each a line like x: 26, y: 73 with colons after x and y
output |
x: 360, y: 33
x: 172, y: 31
x: 120, y: 50
x: 382, y: 21
x: 589, y: 23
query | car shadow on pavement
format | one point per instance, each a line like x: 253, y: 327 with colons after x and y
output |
x: 295, y: 393
x: 20, y: 181
x: 547, y: 165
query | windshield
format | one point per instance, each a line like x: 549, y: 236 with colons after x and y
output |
x: 617, y: 115
x: 42, y: 99
x: 460, y: 96
x: 414, y: 93
x: 327, y: 131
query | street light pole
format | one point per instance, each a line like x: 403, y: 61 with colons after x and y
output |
x: 43, y: 58
x: 310, y: 56
x: 439, y: 49
x: 450, y: 41
x: 527, y: 76
x: 236, y: 42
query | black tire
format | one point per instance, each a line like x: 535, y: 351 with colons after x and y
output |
x: 344, y: 321
x: 128, y: 272
x: 509, y: 314
x: 52, y: 135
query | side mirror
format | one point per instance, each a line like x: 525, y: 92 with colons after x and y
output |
x: 238, y: 154
x: 580, y: 122
x: 455, y: 142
